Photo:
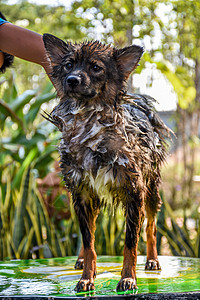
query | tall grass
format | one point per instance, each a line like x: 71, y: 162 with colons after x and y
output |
x: 182, y: 240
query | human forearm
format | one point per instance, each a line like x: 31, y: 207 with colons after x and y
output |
x: 24, y: 44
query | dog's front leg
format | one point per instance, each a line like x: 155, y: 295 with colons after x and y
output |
x: 134, y: 217
x: 87, y: 218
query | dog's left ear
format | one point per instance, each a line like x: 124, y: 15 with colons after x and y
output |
x: 128, y: 58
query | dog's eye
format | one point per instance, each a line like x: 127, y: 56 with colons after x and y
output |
x: 68, y: 66
x: 96, y: 68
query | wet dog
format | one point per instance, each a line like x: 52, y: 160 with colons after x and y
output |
x: 111, y: 149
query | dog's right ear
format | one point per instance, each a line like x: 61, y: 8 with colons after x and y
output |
x: 56, y: 48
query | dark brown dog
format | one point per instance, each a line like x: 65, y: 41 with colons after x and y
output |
x: 111, y: 149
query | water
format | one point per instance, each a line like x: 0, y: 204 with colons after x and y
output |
x: 57, y: 276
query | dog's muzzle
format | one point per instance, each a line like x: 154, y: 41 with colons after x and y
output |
x: 76, y: 85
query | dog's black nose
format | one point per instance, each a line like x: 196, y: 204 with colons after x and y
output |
x: 73, y: 80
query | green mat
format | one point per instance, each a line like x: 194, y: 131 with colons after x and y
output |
x: 57, y: 277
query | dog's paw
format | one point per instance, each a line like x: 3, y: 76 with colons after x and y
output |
x: 84, y: 285
x: 152, y: 264
x: 126, y: 284
x: 79, y: 264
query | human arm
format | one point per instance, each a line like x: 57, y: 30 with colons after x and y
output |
x: 6, y: 60
x: 23, y: 43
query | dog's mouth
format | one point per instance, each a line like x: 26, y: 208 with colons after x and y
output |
x: 80, y: 92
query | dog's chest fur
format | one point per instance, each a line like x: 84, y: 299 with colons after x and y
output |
x: 104, y: 148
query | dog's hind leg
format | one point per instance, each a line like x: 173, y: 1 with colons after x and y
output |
x: 87, y: 218
x: 80, y: 260
x: 134, y: 216
x: 152, y: 206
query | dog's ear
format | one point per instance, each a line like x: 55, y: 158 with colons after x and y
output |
x: 56, y: 48
x: 128, y: 58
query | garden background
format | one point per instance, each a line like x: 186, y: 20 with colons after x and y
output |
x: 36, y: 216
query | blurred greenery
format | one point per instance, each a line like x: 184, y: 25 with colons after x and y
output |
x: 26, y: 229
x: 169, y: 31
x: 183, y: 240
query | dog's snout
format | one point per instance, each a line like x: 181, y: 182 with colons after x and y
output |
x: 73, y: 80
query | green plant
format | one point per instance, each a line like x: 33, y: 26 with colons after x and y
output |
x: 181, y: 240
x: 26, y: 152
x: 25, y: 227
x: 110, y: 232
x: 25, y: 136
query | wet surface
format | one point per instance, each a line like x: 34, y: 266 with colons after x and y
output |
x: 57, y: 277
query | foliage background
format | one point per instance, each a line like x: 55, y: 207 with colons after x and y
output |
x: 43, y: 225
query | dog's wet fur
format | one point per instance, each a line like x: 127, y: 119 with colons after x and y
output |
x: 111, y: 149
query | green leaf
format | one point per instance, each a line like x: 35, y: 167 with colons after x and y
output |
x: 22, y: 100
x: 35, y: 107
x: 26, y: 163
x: 10, y: 92
x: 20, y: 211
x: 7, y: 111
